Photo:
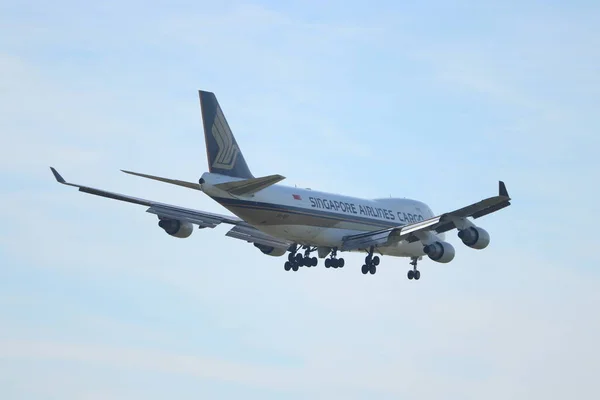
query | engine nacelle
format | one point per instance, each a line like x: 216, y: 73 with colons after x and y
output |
x: 442, y: 252
x: 270, y: 250
x: 475, y: 237
x: 176, y: 228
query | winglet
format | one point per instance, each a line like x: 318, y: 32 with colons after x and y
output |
x: 502, y: 189
x: 57, y: 176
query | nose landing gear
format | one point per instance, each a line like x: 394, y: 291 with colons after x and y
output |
x: 414, y: 273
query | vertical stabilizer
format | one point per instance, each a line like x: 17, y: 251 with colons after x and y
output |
x: 223, y: 152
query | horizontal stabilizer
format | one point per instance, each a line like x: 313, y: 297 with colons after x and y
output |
x: 250, y: 186
x: 190, y: 185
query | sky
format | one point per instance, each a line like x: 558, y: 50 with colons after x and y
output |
x: 429, y: 100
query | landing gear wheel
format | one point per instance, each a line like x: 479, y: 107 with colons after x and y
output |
x: 371, y: 262
x: 295, y: 267
x: 414, y: 273
x: 314, y: 261
x: 287, y: 266
x: 299, y: 259
x: 333, y: 261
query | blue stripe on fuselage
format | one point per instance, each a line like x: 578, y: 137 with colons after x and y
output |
x: 304, y: 211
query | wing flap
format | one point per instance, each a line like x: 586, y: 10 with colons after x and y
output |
x: 203, y: 220
x: 491, y: 209
x: 253, y: 235
x: 365, y: 241
x: 386, y: 236
x: 481, y: 208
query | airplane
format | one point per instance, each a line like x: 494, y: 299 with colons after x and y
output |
x: 279, y: 219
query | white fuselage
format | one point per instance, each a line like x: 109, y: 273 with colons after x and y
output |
x: 318, y: 218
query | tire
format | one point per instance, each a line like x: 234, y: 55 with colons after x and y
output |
x: 287, y: 266
x: 314, y: 261
x: 410, y: 275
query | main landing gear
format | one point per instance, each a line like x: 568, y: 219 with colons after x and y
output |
x: 334, y: 262
x: 413, y: 273
x: 297, y: 260
x: 371, y: 263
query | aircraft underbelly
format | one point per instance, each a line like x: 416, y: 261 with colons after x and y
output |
x: 293, y: 226
x: 314, y: 229
x: 403, y: 249
x: 297, y: 233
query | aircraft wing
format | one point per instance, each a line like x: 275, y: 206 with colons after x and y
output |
x: 437, y: 224
x: 203, y: 219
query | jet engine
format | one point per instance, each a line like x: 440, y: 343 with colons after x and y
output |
x: 176, y: 228
x: 475, y: 237
x: 270, y: 250
x: 442, y: 252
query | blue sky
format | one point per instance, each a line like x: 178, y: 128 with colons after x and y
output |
x: 429, y: 100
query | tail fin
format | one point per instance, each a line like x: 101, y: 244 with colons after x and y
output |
x: 223, y: 152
